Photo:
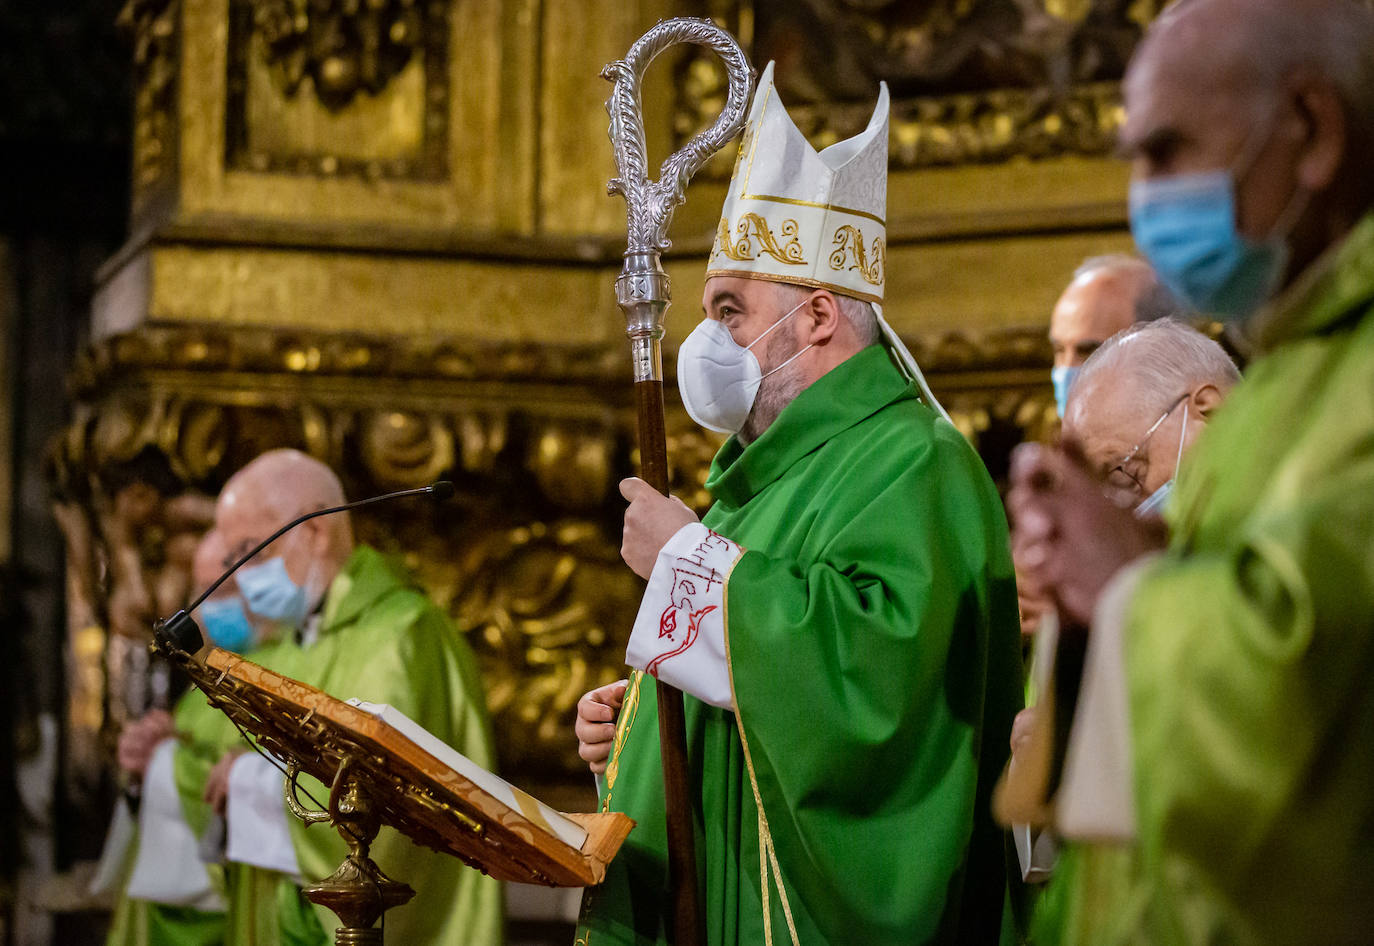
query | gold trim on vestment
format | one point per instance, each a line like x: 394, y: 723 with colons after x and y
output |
x: 765, y: 835
x: 753, y: 149
x: 749, y: 173
x: 629, y: 708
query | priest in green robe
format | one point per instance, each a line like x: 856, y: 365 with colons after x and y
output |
x: 1219, y: 781
x: 347, y: 621
x: 173, y: 889
x: 843, y: 621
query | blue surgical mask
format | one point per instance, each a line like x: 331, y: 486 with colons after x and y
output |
x: 227, y: 625
x: 1186, y: 227
x: 1061, y: 376
x: 269, y: 592
x: 1156, y: 502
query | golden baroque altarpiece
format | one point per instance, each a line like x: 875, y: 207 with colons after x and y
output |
x: 378, y: 232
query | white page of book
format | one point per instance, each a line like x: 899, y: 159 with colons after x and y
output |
x: 527, y: 805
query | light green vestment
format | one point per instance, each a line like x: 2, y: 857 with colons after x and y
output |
x: 1249, y: 654
x: 382, y: 640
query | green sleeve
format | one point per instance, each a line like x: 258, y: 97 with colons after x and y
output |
x: 862, y: 679
x: 1245, y: 667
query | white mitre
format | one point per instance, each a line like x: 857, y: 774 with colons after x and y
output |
x: 810, y: 218
x: 800, y: 216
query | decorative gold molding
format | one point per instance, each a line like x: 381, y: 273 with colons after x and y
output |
x: 154, y: 27
x: 355, y: 58
x: 973, y: 82
x: 345, y: 48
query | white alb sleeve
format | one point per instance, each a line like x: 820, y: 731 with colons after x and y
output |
x: 679, y: 633
x: 258, y: 833
x: 1096, y: 800
x: 167, y: 868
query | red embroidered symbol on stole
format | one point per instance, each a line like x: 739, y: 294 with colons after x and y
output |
x: 693, y: 629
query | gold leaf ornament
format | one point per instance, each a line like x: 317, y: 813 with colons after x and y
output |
x: 753, y: 227
x: 850, y: 253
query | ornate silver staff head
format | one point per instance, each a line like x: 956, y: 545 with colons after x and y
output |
x: 642, y: 289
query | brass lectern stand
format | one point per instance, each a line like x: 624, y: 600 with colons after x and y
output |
x: 376, y: 777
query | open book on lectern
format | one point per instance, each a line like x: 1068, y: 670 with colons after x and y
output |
x: 567, y: 830
x: 416, y: 783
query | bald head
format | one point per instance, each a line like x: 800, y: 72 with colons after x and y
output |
x: 1107, y: 294
x: 274, y: 489
x: 283, y: 484
x: 1280, y: 92
x: 1245, y: 50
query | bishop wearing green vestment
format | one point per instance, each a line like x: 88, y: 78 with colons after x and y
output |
x: 843, y: 621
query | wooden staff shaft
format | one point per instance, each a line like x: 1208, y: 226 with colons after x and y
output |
x: 688, y: 925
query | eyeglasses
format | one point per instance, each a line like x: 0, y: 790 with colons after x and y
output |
x: 1118, y: 473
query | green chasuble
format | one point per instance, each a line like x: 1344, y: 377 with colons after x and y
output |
x: 382, y: 640
x: 872, y: 634
x: 1249, y: 648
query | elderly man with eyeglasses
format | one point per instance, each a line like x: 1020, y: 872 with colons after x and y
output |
x: 1140, y: 402
x: 1218, y: 774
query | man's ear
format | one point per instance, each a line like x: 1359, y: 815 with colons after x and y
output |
x: 822, y: 317
x: 1327, y: 134
x: 1207, y: 399
x: 318, y: 542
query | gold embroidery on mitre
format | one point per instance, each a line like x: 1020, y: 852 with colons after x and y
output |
x: 849, y: 243
x: 752, y: 227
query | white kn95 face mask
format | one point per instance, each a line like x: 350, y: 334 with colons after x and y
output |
x: 718, y: 378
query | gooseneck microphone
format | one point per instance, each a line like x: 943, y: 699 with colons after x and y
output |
x: 180, y: 631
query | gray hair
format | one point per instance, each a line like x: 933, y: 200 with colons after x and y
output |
x: 859, y: 313
x: 1155, y: 300
x: 1163, y: 359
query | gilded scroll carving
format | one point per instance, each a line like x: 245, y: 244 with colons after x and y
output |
x: 332, y: 88
x: 152, y: 25
x: 343, y: 47
x: 973, y: 81
x: 850, y: 253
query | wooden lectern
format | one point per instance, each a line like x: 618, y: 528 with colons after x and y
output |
x: 377, y: 776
